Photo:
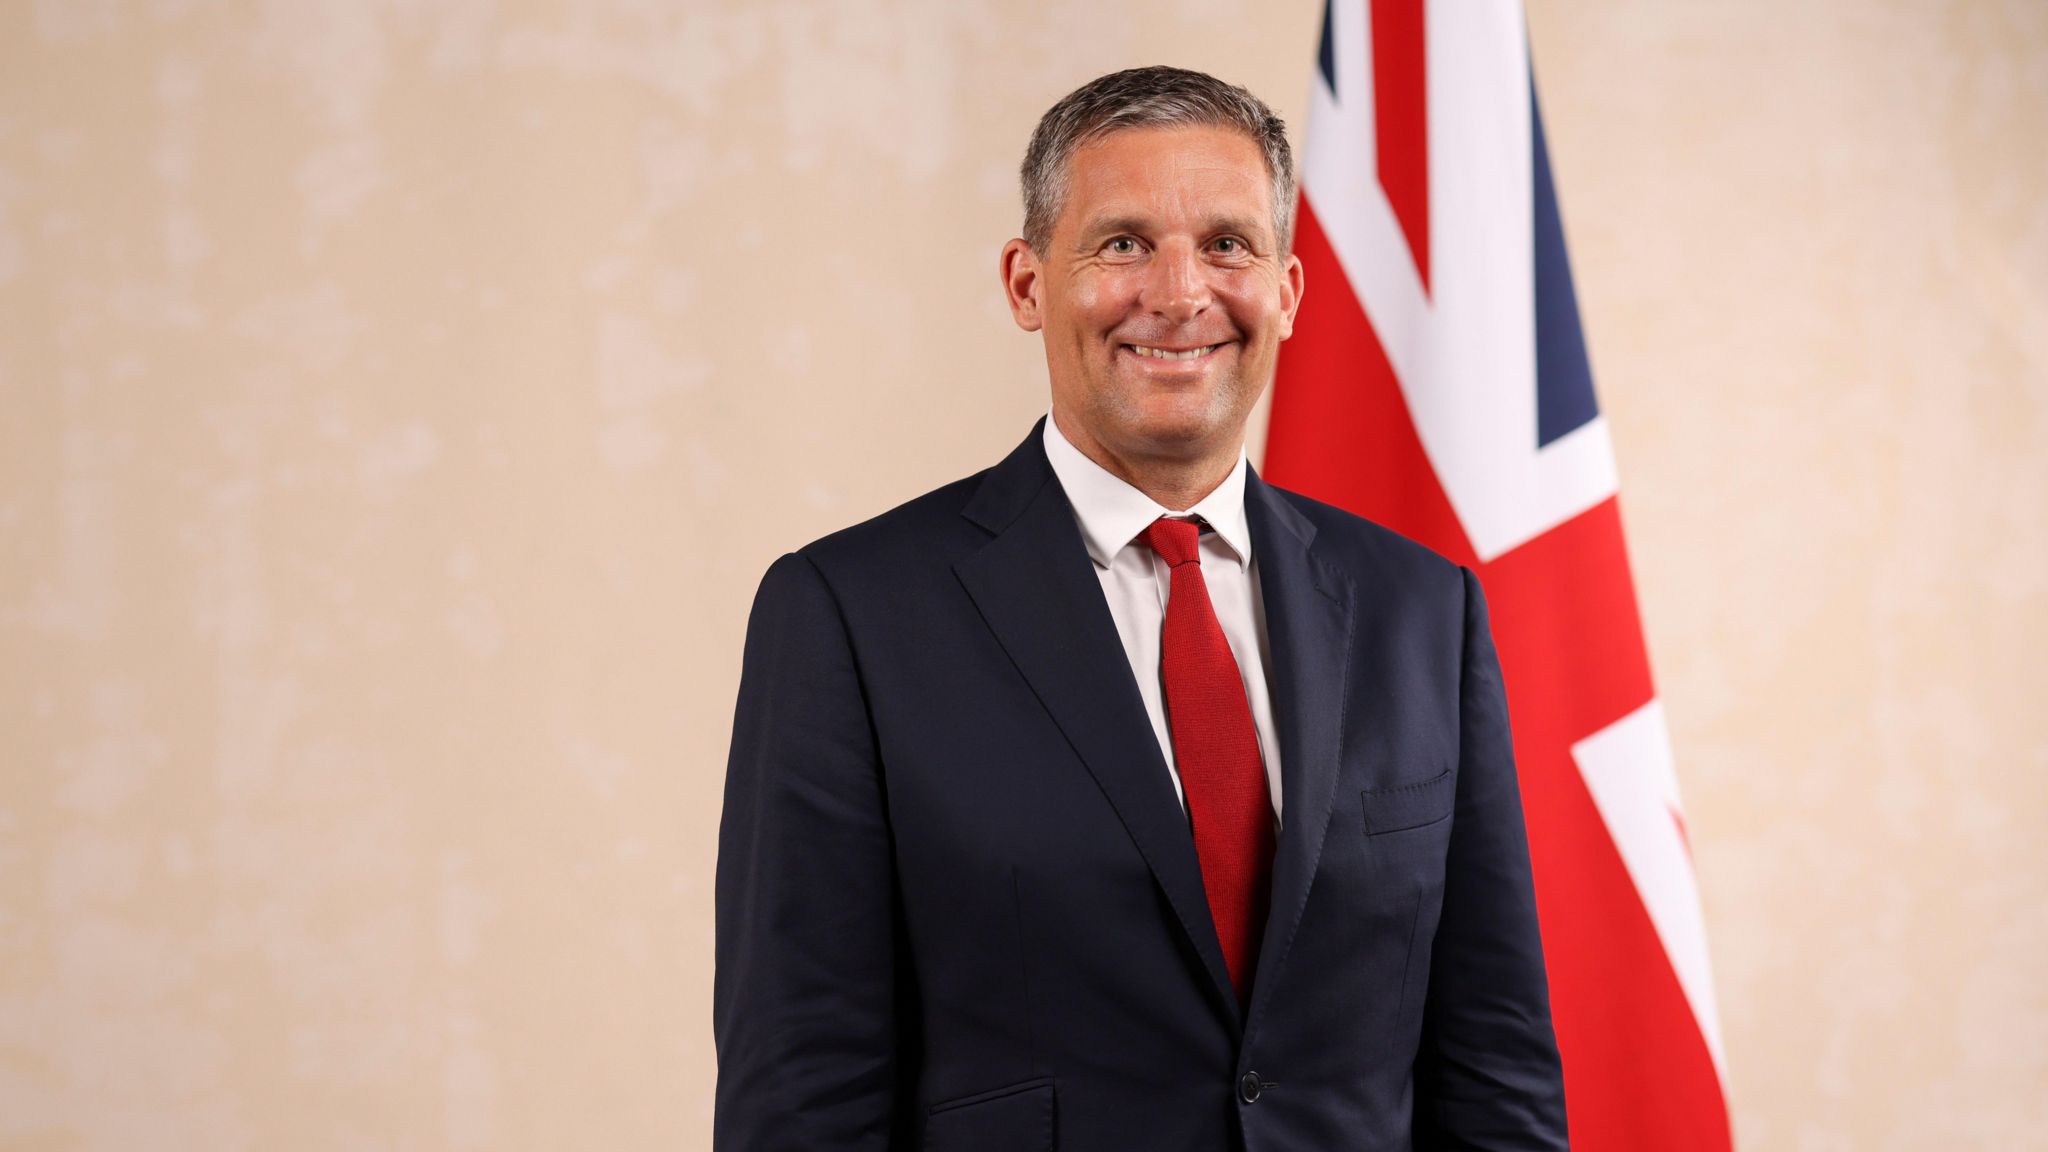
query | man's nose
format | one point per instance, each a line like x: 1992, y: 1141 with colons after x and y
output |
x: 1177, y: 283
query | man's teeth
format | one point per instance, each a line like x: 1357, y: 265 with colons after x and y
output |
x: 1163, y: 354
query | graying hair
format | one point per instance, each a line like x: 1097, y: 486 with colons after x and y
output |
x: 1154, y: 97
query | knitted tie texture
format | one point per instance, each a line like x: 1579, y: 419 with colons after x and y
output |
x: 1216, y: 749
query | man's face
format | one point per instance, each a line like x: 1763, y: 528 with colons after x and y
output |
x: 1162, y: 294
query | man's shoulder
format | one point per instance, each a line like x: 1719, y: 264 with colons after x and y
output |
x: 917, y: 533
x: 933, y: 531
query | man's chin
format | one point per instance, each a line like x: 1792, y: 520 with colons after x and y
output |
x: 1181, y: 429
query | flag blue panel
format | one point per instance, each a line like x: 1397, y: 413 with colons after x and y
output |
x: 1564, y: 377
x: 1326, y: 53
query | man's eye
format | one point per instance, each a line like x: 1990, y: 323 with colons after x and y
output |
x: 1230, y: 246
x: 1123, y: 246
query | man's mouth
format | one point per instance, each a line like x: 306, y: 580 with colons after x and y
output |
x: 1173, y: 353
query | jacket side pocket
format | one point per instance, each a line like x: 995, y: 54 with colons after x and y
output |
x: 1017, y: 1118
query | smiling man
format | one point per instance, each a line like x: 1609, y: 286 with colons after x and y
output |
x: 1112, y: 798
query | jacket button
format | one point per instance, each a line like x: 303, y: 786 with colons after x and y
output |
x: 1248, y: 1088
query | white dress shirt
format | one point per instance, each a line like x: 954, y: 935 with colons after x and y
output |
x: 1136, y: 582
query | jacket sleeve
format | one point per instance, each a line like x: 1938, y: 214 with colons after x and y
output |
x: 804, y: 995
x: 1488, y: 1075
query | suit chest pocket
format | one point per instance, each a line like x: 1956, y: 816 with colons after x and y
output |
x: 1408, y: 831
x: 1408, y: 806
x: 1019, y: 1118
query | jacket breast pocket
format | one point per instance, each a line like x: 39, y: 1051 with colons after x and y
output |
x: 1017, y: 1118
x: 1409, y: 805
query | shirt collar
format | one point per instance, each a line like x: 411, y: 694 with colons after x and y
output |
x: 1112, y: 512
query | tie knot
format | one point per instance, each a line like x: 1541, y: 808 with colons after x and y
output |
x: 1177, y: 542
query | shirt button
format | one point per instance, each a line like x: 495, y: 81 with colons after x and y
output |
x: 1248, y: 1088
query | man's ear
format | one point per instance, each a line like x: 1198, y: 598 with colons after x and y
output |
x: 1021, y: 278
x: 1292, y: 282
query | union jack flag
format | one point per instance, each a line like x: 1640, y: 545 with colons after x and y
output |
x: 1437, y: 382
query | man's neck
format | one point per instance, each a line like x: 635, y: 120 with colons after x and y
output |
x: 1173, y: 482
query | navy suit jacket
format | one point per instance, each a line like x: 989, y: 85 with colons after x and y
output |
x: 958, y: 903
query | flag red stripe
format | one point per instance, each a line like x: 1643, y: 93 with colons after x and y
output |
x: 1401, y: 120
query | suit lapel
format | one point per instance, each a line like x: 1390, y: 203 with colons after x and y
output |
x: 1037, y: 589
x: 1309, y: 622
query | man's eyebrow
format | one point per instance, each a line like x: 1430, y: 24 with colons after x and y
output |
x: 1249, y: 227
x: 1245, y: 226
x: 1111, y: 226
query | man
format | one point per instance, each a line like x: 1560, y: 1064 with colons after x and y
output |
x: 1112, y: 798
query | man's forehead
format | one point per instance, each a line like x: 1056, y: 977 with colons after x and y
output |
x: 1213, y: 171
x: 1213, y: 146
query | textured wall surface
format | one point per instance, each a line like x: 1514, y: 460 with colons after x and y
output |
x: 399, y: 401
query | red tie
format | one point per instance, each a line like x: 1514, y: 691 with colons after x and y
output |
x: 1216, y: 750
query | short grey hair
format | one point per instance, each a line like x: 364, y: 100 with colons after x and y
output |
x: 1154, y: 97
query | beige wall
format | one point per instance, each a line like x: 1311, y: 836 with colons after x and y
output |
x: 398, y: 403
